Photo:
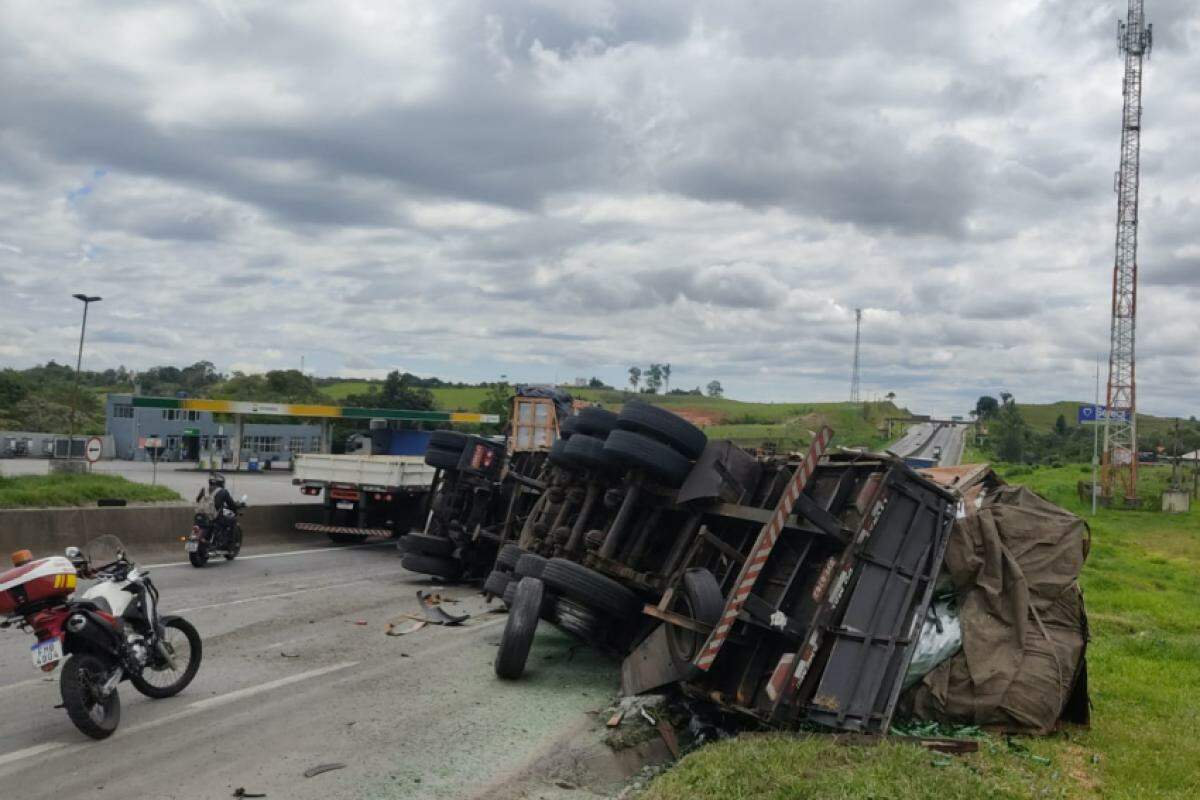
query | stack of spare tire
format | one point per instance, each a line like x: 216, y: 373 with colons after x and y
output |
x: 643, y: 442
x: 433, y: 553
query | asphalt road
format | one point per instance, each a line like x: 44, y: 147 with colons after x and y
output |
x: 291, y: 679
x: 924, y: 439
x: 262, y: 488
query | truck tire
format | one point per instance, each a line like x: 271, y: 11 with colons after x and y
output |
x: 519, y: 629
x: 666, y: 427
x: 588, y: 451
x: 506, y: 559
x: 568, y: 427
x: 591, y: 589
x: 529, y: 565
x: 421, y: 543
x: 598, y: 422
x: 448, y: 440
x: 557, y: 454
x: 442, y: 459
x: 701, y: 600
x: 496, y: 583
x: 510, y: 592
x: 446, y: 568
x: 642, y: 452
x: 576, y: 619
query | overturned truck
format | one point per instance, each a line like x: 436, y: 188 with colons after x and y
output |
x: 796, y: 590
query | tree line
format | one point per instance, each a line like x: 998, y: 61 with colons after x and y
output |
x: 1012, y: 439
x: 657, y: 377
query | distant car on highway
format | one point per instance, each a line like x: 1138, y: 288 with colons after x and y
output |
x: 937, y: 452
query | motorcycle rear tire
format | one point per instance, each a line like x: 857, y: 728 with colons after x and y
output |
x: 76, y: 685
x: 195, y: 652
x: 235, y: 544
x: 199, y: 558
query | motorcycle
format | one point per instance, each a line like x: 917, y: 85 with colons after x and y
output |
x: 211, y: 538
x: 114, y: 632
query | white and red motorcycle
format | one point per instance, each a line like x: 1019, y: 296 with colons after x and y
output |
x: 113, y: 632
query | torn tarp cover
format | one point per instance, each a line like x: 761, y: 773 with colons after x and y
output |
x: 1015, y: 560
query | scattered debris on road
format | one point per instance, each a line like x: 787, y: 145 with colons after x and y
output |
x: 431, y: 604
x: 241, y: 792
x: 312, y: 772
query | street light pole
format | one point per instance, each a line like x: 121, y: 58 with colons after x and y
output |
x: 86, y: 300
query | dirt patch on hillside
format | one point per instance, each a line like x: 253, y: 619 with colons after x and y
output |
x: 700, y: 417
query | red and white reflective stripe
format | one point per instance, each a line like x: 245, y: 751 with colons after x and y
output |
x: 762, y: 549
x: 312, y: 526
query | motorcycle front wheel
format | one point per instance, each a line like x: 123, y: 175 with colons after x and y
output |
x: 159, y: 678
x: 82, y: 676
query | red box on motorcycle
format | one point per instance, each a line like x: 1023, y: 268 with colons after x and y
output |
x: 35, y: 582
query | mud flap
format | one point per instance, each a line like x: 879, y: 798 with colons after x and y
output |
x: 651, y: 665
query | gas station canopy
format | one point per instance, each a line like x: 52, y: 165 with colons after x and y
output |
x: 311, y: 411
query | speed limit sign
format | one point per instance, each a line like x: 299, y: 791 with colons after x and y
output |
x: 93, y: 449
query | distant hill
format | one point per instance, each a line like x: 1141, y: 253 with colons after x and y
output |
x: 786, y: 425
x: 1042, y: 418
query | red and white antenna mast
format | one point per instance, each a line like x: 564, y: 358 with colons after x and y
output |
x: 1134, y: 38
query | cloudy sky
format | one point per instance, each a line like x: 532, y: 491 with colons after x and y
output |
x: 549, y: 190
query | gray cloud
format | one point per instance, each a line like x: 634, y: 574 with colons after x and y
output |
x: 470, y: 189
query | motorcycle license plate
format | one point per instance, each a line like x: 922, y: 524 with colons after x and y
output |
x: 47, y: 652
x: 345, y: 506
x: 192, y: 546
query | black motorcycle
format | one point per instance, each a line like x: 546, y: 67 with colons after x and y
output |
x: 215, y: 537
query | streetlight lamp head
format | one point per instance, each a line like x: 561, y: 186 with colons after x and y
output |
x: 85, y: 298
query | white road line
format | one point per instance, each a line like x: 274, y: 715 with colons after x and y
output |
x: 188, y: 711
x: 250, y: 691
x: 268, y: 596
x: 28, y: 752
x: 286, y: 642
x: 283, y: 554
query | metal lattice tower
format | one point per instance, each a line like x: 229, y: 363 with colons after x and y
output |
x: 856, y: 378
x: 1134, y: 38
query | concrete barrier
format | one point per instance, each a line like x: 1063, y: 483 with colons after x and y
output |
x: 148, y: 531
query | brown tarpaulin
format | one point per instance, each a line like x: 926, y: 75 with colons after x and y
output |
x: 1015, y: 561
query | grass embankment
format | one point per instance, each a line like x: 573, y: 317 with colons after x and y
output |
x: 784, y: 425
x: 1142, y: 584
x: 46, y: 491
x: 1041, y: 417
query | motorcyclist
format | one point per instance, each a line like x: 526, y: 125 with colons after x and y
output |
x: 214, y: 502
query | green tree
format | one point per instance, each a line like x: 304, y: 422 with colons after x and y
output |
x: 986, y: 407
x: 12, y: 388
x: 715, y: 389
x: 1009, y: 431
x: 666, y: 373
x: 635, y: 377
x: 596, y: 383
x: 654, y: 378
x: 399, y: 391
x: 1060, y: 426
x: 498, y: 401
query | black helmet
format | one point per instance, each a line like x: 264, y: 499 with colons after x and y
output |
x: 216, y: 479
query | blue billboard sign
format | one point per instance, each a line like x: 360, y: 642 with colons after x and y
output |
x: 1092, y: 414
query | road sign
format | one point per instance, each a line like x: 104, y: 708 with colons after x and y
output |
x: 1089, y: 415
x: 93, y: 449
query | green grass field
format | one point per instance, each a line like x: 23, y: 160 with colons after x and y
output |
x: 1142, y: 585
x: 43, y: 491
x: 1041, y: 417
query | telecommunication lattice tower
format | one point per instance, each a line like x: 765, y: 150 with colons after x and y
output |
x: 1120, y: 461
